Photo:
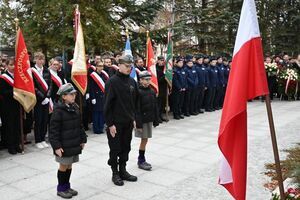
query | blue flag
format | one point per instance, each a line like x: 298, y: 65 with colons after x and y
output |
x: 129, y: 52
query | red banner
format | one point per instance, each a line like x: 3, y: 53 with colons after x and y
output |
x: 23, y: 82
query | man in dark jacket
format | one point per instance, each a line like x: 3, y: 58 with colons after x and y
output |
x: 202, y: 83
x: 120, y: 107
x: 162, y: 87
x: 192, y: 80
x: 179, y: 85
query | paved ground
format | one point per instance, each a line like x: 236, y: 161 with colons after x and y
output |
x: 184, y: 155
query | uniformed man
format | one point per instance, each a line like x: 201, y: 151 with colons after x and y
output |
x: 11, y: 109
x: 97, y: 80
x: 192, y: 80
x: 221, y: 84
x: 213, y: 80
x: 202, y: 83
x: 43, y: 87
x: 162, y: 88
x: 120, y: 107
x: 179, y: 85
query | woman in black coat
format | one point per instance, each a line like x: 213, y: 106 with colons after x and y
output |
x: 67, y: 138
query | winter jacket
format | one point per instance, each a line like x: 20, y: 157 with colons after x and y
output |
x: 148, y: 107
x: 120, y: 99
x: 65, y: 129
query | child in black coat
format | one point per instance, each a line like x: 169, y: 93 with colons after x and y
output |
x: 147, y: 116
x: 67, y: 138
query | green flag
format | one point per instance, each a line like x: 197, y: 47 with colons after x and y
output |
x: 169, y: 61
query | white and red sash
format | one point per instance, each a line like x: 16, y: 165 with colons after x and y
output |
x: 44, y: 85
x: 40, y: 79
x: 98, y: 81
x: 8, y: 79
x: 105, y: 74
x: 56, y: 79
x: 115, y: 67
x: 92, y: 67
x: 138, y: 71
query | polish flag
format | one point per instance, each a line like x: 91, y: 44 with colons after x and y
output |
x: 79, y: 66
x: 247, y: 80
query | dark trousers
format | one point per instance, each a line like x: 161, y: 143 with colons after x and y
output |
x: 216, y: 101
x: 221, y: 101
x: 120, y: 145
x: 186, y: 106
x: 98, y: 122
x: 177, y: 101
x: 162, y: 102
x: 210, y: 96
x: 11, y: 119
x: 193, y: 100
x: 41, y: 113
x: 199, y: 98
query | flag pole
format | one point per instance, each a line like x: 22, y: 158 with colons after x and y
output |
x: 21, y: 108
x: 275, y: 147
x: 147, y: 36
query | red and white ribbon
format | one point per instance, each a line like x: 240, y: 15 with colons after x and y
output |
x: 8, y: 79
x: 40, y: 79
x: 98, y: 81
x: 56, y: 79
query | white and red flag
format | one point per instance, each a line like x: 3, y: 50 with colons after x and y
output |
x: 24, y: 91
x: 79, y: 66
x: 247, y: 80
x: 151, y: 65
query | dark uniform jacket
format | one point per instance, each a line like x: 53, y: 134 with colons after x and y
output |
x: 213, y: 76
x: 180, y: 79
x: 192, y: 77
x: 202, y: 75
x: 9, y: 104
x: 65, y: 129
x: 40, y: 93
x: 221, y: 75
x: 148, y: 107
x: 96, y: 93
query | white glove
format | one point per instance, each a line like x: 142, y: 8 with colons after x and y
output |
x: 46, y: 101
x: 87, y: 96
x: 94, y: 101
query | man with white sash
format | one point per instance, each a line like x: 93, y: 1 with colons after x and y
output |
x: 43, y: 86
x: 97, y: 80
x: 11, y: 110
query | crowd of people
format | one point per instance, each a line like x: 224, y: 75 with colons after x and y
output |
x: 198, y: 86
x: 118, y: 104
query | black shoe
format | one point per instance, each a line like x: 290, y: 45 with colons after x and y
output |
x: 163, y: 119
x: 208, y: 110
x: 201, y: 111
x: 177, y: 117
x: 72, y: 192
x: 19, y: 150
x: 187, y: 114
x: 12, y: 151
x: 65, y: 195
x: 116, y: 179
x: 127, y: 177
x: 181, y: 116
x: 194, y: 113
